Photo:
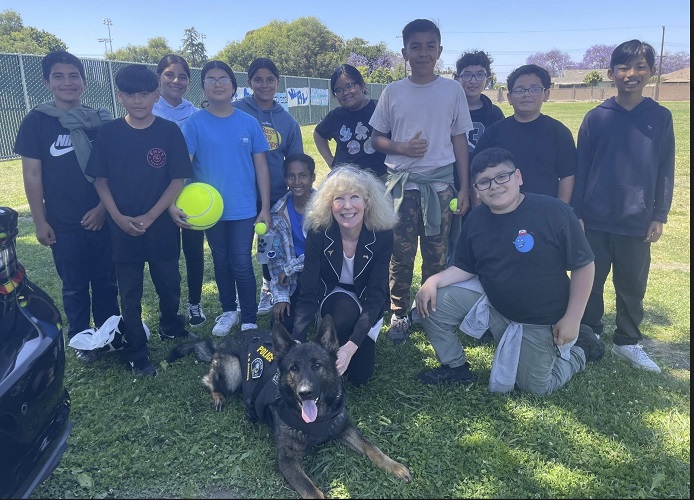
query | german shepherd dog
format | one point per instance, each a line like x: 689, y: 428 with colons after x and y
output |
x: 304, y: 392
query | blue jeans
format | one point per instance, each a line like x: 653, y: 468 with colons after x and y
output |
x: 231, y: 244
x: 83, y: 259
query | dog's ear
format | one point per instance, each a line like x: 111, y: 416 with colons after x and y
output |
x: 281, y: 339
x: 327, y: 335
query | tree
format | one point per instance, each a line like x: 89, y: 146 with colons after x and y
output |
x: 673, y: 62
x: 17, y: 38
x: 597, y: 57
x: 555, y: 61
x: 193, y: 48
x: 303, y: 47
x: 151, y: 53
x: 592, y: 79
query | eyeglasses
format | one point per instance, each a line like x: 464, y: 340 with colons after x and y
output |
x: 466, y: 76
x: 520, y: 91
x: 339, y: 91
x: 210, y: 82
x: 500, y: 179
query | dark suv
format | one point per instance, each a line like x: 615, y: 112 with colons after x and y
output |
x: 34, y: 405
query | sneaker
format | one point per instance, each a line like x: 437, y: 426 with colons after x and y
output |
x: 143, y: 367
x: 195, y: 315
x: 249, y: 326
x: 444, y: 374
x: 635, y: 355
x: 86, y: 356
x: 593, y: 348
x: 265, y: 302
x: 225, y: 322
x: 183, y: 334
x: 398, y: 330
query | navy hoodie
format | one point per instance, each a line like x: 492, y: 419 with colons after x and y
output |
x: 283, y: 134
x: 626, y: 167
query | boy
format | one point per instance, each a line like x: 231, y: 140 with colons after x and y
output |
x: 544, y: 148
x: 287, y: 260
x: 54, y: 141
x: 520, y: 246
x: 428, y: 119
x: 624, y: 184
x: 140, y: 163
x: 473, y: 71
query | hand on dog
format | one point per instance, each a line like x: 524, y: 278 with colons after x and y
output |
x: 344, y: 356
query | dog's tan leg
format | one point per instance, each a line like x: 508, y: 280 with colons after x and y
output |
x: 290, y: 466
x: 353, y: 439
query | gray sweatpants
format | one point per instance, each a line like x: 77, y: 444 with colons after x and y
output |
x: 540, y: 369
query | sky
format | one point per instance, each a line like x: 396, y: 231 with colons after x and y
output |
x: 508, y: 31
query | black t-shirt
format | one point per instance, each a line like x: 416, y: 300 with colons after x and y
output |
x: 139, y: 165
x: 67, y: 193
x: 544, y: 151
x: 481, y: 119
x: 522, y: 257
x: 352, y: 133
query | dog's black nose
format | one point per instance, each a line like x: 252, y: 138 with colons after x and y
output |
x: 305, y: 391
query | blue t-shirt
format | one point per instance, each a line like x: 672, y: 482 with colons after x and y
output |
x: 296, y: 220
x: 222, y: 151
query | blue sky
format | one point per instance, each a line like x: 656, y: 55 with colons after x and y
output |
x: 509, y: 31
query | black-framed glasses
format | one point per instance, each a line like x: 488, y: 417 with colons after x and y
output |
x: 520, y: 91
x: 210, y: 82
x: 500, y: 179
x: 467, y: 76
x: 339, y: 91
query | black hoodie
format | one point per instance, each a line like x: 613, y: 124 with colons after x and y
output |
x: 626, y: 167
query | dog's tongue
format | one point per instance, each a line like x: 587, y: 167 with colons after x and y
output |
x: 309, y: 412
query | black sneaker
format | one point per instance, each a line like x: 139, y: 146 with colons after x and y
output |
x: 196, y: 316
x: 87, y: 357
x: 592, y: 346
x: 143, y: 367
x: 182, y: 334
x: 444, y: 374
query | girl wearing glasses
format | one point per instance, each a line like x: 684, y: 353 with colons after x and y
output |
x: 283, y: 135
x: 348, y: 125
x: 227, y: 148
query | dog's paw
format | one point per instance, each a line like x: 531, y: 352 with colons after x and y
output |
x: 402, y: 472
x: 217, y: 401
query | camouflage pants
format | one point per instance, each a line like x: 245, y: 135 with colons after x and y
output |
x: 433, y: 248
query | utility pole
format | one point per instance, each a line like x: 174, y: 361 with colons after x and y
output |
x: 660, y: 66
x: 104, y: 40
x: 108, y: 24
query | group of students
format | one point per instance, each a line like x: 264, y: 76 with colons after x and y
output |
x: 406, y: 170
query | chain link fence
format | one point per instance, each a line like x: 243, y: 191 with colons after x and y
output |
x: 22, y: 88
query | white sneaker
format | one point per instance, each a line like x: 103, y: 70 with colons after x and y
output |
x: 225, y: 322
x: 265, y: 302
x: 635, y: 355
x: 249, y: 326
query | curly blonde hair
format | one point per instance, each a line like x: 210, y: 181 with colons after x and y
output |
x: 379, y: 214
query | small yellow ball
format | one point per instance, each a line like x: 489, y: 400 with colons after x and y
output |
x: 260, y: 228
x: 453, y: 204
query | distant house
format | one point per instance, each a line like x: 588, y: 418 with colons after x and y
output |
x: 574, y: 78
x: 679, y: 76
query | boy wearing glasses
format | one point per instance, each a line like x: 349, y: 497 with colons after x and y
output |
x: 428, y: 119
x: 624, y: 183
x: 473, y: 71
x: 140, y: 162
x: 519, y: 246
x: 544, y: 148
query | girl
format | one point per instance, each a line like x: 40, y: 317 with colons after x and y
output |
x: 348, y: 125
x: 227, y: 148
x: 174, y: 78
x: 282, y: 133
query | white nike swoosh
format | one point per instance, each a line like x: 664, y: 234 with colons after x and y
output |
x: 60, y: 152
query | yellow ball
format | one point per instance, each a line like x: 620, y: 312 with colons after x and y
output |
x: 260, y: 228
x: 202, y: 205
x: 453, y: 204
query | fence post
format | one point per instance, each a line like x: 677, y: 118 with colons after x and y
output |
x: 22, y: 75
x: 113, y: 90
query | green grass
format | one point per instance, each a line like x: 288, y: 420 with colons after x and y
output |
x: 613, y: 432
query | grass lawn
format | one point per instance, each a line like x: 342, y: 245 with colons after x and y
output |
x: 613, y: 432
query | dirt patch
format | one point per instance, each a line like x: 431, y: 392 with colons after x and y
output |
x: 674, y: 355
